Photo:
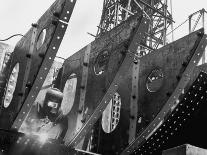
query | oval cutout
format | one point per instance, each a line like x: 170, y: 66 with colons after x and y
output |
x: 111, y: 115
x: 11, y: 85
x: 41, y: 39
x: 155, y: 80
x: 69, y: 92
x: 101, y: 62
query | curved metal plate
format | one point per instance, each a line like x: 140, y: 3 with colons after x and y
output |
x: 120, y: 75
x: 175, y: 129
x: 40, y: 62
x: 169, y: 59
x: 114, y: 42
x: 172, y: 102
x: 46, y: 63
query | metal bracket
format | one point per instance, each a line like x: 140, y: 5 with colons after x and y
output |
x: 46, y: 64
x: 140, y: 32
x: 171, y: 103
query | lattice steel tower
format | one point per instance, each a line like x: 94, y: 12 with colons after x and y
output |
x: 116, y: 11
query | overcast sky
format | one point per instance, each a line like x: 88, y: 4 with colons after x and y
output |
x: 16, y: 16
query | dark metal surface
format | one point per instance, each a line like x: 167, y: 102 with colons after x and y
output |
x: 172, y: 102
x: 169, y: 59
x: 166, y: 136
x: 115, y: 42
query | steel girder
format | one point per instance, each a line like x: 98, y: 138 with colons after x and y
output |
x: 34, y: 54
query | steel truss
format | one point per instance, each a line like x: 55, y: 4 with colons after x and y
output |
x: 196, y: 21
x: 116, y: 11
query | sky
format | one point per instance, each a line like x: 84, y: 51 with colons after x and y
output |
x: 16, y: 16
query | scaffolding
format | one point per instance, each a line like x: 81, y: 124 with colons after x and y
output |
x: 116, y: 11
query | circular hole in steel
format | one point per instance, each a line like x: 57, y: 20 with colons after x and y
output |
x: 155, y: 80
x: 110, y: 121
x: 101, y: 62
x: 11, y: 85
x: 41, y: 39
x: 69, y: 92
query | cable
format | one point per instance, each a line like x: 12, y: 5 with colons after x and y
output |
x: 15, y: 35
x: 177, y: 27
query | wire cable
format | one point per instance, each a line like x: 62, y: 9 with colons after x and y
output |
x: 15, y: 35
x: 177, y: 27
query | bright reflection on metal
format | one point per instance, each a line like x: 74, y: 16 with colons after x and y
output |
x: 52, y: 104
x: 69, y: 94
x: 43, y: 137
x: 11, y: 85
x: 155, y: 80
x: 111, y: 114
x: 41, y: 38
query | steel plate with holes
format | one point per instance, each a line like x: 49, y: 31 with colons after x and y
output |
x: 177, y: 129
x: 120, y: 75
x: 172, y: 102
x: 116, y: 46
x: 169, y: 60
x: 34, y: 53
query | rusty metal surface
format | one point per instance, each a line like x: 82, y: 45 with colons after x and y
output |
x: 41, y: 60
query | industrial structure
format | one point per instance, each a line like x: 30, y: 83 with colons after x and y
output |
x: 130, y: 91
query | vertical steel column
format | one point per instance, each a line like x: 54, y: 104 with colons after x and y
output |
x: 134, y: 97
x: 165, y: 22
x: 203, y: 23
x: 83, y: 88
x: 128, y: 8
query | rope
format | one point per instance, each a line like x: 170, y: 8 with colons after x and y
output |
x: 15, y: 35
